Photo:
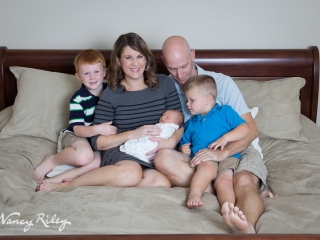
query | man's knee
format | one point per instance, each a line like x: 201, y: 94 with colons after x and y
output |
x: 162, y: 158
x: 245, y: 179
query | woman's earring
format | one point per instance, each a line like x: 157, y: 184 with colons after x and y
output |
x: 146, y: 69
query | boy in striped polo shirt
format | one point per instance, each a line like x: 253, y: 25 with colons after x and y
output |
x: 74, y: 149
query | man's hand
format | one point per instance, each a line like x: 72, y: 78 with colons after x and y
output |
x: 208, y: 155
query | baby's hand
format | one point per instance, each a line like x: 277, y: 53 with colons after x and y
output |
x: 185, y: 149
x: 107, y: 129
x: 221, y: 142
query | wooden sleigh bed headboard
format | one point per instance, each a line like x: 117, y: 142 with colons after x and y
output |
x: 260, y: 65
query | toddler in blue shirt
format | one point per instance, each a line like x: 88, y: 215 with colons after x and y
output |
x: 212, y: 126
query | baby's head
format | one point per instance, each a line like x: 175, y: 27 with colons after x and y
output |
x: 201, y: 93
x: 172, y: 116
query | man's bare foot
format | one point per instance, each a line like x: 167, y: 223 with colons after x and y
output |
x: 235, y: 219
x: 194, y: 200
x: 267, y: 194
x: 49, y: 186
x: 44, y: 167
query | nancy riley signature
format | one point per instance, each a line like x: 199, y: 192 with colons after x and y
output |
x: 43, y: 219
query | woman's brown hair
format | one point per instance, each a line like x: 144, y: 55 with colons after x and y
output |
x: 134, y: 41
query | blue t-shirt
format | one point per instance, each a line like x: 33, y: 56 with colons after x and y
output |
x: 201, y: 131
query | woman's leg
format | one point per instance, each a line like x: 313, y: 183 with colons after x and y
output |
x: 153, y: 178
x: 206, y: 172
x: 125, y: 173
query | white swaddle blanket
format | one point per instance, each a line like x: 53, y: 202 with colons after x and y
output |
x: 140, y: 146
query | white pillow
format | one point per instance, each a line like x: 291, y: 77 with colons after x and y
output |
x: 59, y: 169
x: 254, y: 111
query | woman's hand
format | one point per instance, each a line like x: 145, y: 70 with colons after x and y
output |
x: 146, y: 130
x: 170, y: 142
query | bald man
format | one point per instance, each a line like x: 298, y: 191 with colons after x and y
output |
x: 250, y: 177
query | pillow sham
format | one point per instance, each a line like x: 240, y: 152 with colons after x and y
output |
x: 41, y: 107
x: 279, y: 106
x: 254, y: 112
x: 5, y: 115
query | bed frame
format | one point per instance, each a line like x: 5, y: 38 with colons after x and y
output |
x: 260, y: 65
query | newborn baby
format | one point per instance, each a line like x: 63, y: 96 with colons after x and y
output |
x: 169, y: 122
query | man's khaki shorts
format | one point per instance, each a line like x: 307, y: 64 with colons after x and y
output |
x: 251, y: 161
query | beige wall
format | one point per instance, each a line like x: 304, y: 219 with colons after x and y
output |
x: 227, y: 24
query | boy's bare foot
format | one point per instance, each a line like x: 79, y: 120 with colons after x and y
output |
x: 49, y: 186
x: 44, y: 167
x: 235, y: 219
x: 194, y: 201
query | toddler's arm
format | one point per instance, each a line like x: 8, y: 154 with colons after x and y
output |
x: 234, y: 135
x: 90, y: 131
x: 185, y: 149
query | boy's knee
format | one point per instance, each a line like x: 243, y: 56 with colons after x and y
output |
x: 84, y: 157
x: 223, y: 180
x: 96, y: 163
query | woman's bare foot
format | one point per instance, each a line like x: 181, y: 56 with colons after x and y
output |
x: 44, y: 167
x: 49, y: 186
x: 194, y: 200
x: 57, y: 179
x: 267, y: 194
x: 235, y: 219
x: 67, y: 180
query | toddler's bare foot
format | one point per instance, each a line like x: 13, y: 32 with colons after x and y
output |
x: 49, y: 186
x: 235, y: 219
x: 44, y: 167
x: 267, y: 194
x: 194, y: 200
